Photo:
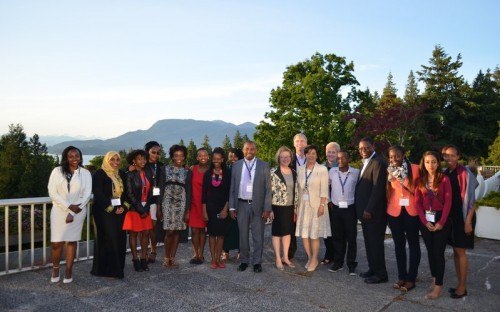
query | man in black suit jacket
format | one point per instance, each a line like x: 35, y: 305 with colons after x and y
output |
x: 371, y: 205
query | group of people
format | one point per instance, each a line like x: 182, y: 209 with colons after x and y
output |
x: 231, y: 201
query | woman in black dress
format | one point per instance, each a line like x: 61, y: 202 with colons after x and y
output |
x: 284, y: 190
x: 215, y: 197
x: 463, y: 219
x: 108, y: 212
x: 232, y: 235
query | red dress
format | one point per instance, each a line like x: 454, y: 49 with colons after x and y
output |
x: 196, y: 214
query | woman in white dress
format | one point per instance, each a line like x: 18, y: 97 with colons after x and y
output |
x: 312, y: 221
x: 70, y: 186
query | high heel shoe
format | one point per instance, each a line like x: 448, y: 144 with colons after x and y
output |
x: 55, y: 279
x: 137, y: 265
x: 144, y: 265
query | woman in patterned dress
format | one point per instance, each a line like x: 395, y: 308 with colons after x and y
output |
x: 176, y: 194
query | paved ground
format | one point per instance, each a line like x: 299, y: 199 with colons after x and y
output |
x: 199, y: 288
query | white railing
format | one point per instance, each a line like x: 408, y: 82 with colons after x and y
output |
x: 40, y: 259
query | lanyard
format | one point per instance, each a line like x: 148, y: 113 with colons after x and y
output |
x: 298, y: 162
x: 343, y: 183
x: 144, y: 185
x: 307, y: 176
x: 249, y: 169
x: 430, y: 193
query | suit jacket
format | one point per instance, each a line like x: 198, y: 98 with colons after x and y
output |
x: 370, y: 190
x: 261, y: 193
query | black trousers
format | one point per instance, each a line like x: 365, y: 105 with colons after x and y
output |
x: 404, y: 228
x: 344, y: 233
x: 374, y: 235
x: 293, y: 243
x: 329, y: 254
x: 435, y: 242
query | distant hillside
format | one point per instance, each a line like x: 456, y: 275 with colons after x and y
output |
x: 56, y: 139
x: 167, y: 132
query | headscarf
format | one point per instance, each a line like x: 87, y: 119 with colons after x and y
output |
x: 113, y: 174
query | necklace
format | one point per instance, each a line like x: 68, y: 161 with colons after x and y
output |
x: 216, y: 178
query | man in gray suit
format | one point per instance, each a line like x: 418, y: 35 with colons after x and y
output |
x: 250, y: 203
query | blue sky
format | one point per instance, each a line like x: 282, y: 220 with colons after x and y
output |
x: 102, y: 68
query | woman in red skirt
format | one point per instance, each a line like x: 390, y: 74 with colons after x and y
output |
x: 138, y: 219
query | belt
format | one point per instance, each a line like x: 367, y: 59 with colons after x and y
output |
x: 249, y: 201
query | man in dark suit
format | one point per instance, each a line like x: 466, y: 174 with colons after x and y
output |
x: 250, y: 203
x: 299, y: 159
x: 371, y: 204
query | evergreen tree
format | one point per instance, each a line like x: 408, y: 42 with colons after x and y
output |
x: 206, y: 144
x: 226, y: 144
x: 443, y: 88
x: 25, y: 166
x: 494, y: 151
x: 191, y: 153
x: 237, y: 140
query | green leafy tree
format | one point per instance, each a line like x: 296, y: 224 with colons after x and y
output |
x: 494, y: 151
x: 309, y: 101
x: 191, y: 153
x: 238, y: 140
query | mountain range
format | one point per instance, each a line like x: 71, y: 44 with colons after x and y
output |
x: 167, y: 132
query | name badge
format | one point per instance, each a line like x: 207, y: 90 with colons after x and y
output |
x: 404, y: 202
x: 249, y: 188
x: 116, y: 202
x: 343, y: 204
x: 305, y: 196
x: 430, y: 216
x: 156, y: 191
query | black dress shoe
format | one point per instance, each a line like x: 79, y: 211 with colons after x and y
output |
x: 242, y: 267
x: 376, y: 280
x: 257, y: 268
x: 366, y: 274
x: 455, y: 296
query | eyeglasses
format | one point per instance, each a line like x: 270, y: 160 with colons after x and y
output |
x: 154, y: 152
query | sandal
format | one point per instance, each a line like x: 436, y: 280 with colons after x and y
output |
x: 166, y: 262
x: 399, y: 284
x: 225, y: 256
x: 326, y: 261
x: 288, y: 264
x: 152, y: 257
x: 407, y: 286
x: 137, y: 265
x: 173, y: 263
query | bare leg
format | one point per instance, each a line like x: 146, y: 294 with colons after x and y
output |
x: 315, y: 251
x: 55, y: 255
x: 152, y: 237
x: 219, y: 242
x: 144, y: 244
x: 277, y: 252
x: 195, y: 239
x: 202, y: 241
x: 132, y: 241
x: 213, y: 253
x: 307, y: 247
x: 286, y: 245
x: 70, y: 258
x: 461, y: 266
